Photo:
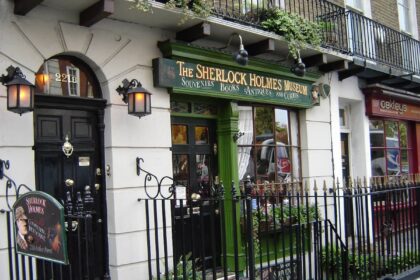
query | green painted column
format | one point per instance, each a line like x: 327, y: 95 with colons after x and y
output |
x: 227, y: 126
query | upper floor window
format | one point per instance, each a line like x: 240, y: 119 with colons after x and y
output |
x: 66, y: 76
x: 404, y: 15
x: 356, y: 4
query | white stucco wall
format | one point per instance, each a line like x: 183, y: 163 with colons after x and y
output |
x: 115, y: 51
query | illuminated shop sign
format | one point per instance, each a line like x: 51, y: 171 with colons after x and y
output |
x: 221, y: 82
x: 389, y: 107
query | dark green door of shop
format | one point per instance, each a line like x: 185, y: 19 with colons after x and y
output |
x: 66, y: 177
x: 197, y: 224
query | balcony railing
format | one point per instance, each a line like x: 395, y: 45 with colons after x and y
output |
x: 377, y: 42
x: 341, y: 30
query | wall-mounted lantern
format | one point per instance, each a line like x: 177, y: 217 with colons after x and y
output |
x: 137, y: 97
x: 20, y: 92
x: 241, y: 56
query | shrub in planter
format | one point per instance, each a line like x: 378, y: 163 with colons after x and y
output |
x: 189, y: 272
x: 294, y: 28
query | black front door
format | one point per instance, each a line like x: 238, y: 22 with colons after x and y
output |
x: 67, y: 177
x: 197, y: 224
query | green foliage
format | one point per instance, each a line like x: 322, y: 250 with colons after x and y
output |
x: 293, y: 214
x: 295, y: 29
x: 366, y: 266
x: 191, y: 8
x: 141, y: 5
x: 189, y: 271
x: 280, y: 217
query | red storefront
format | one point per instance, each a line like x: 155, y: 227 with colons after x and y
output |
x: 394, y: 129
x: 394, y: 126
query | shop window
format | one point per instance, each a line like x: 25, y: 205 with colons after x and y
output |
x: 66, y: 76
x: 390, y: 148
x: 180, y: 107
x: 179, y: 134
x: 198, y: 108
x: 269, y: 149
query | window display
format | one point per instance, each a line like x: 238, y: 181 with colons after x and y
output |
x: 269, y: 149
x: 390, y: 148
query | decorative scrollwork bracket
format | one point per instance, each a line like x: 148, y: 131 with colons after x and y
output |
x: 10, y: 184
x: 151, y: 177
x: 4, y: 164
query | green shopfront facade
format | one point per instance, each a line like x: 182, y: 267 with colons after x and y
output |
x: 229, y: 122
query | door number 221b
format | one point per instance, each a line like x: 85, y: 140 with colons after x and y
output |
x: 66, y: 78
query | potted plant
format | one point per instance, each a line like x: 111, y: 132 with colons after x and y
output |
x: 190, y: 8
x: 298, y: 31
x: 275, y: 220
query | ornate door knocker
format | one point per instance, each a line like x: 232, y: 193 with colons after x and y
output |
x: 67, y: 147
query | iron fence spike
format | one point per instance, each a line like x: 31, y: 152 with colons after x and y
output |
x: 315, y: 186
x: 324, y: 187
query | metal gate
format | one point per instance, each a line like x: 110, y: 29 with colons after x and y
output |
x: 78, y: 221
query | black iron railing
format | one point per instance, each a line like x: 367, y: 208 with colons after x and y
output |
x: 330, y: 16
x: 277, y: 231
x: 377, y: 42
x: 343, y: 31
x: 79, y: 222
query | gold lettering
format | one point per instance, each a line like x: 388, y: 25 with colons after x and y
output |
x: 181, y: 67
x: 269, y: 83
x: 237, y: 78
x: 252, y: 80
x: 275, y: 84
x: 218, y: 74
x: 212, y: 70
x: 243, y: 80
x: 231, y: 77
x: 291, y: 86
x: 199, y: 75
x: 205, y: 72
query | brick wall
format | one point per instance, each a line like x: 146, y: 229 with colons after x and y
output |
x: 418, y: 14
x: 385, y: 12
x: 338, y: 2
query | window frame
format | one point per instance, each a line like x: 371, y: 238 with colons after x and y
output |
x: 385, y: 149
x: 293, y: 146
x: 406, y: 7
x: 76, y: 83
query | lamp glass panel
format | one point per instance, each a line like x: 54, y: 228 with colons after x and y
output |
x: 12, y: 95
x: 25, y: 96
x: 139, y: 102
x: 130, y: 103
x: 148, y: 104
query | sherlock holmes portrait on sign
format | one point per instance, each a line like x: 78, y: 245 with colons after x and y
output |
x: 39, y: 227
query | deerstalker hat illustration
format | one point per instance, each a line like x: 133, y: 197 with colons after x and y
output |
x: 20, y: 213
